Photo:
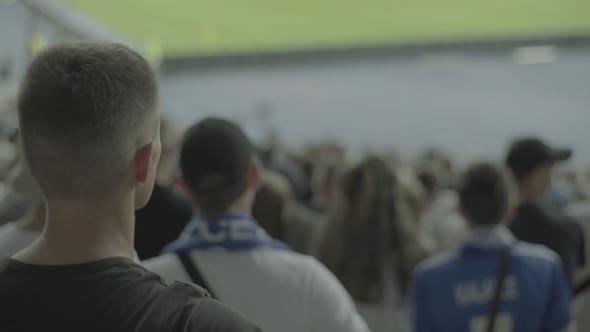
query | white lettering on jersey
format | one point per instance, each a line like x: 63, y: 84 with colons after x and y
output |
x: 481, y: 292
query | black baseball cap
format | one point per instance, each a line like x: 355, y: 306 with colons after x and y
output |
x: 215, y: 156
x: 528, y: 153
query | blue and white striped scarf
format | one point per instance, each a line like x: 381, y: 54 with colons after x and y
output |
x: 233, y: 232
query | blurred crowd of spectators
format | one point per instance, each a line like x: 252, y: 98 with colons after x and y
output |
x: 370, y: 220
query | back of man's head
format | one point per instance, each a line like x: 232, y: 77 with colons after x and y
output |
x: 216, y: 162
x: 484, y: 194
x: 85, y: 110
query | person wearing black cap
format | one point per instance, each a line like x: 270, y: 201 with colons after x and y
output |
x: 532, y: 162
x: 224, y: 249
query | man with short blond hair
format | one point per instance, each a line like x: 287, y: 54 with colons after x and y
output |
x: 89, y: 122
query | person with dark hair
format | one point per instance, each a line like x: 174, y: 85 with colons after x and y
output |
x: 89, y: 120
x: 161, y: 221
x: 227, y: 252
x: 532, y: 163
x: 166, y: 214
x: 372, y: 243
x: 492, y: 282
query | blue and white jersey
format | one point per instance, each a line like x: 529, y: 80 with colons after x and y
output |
x: 453, y: 291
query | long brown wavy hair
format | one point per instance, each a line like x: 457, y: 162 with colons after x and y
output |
x: 368, y: 230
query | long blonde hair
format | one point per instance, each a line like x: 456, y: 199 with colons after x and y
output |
x: 368, y: 231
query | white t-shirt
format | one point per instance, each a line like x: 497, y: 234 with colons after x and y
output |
x: 278, y: 290
x: 13, y: 239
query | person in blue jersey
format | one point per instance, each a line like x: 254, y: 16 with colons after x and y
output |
x: 492, y: 282
x: 226, y: 251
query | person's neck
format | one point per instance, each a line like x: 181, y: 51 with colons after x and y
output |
x: 526, y: 195
x: 242, y: 207
x: 78, y: 232
x: 476, y: 227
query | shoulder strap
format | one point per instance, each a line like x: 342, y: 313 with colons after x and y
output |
x: 193, y: 271
x: 583, y: 286
x: 497, y: 299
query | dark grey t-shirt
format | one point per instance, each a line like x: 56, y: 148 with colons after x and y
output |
x: 112, y: 294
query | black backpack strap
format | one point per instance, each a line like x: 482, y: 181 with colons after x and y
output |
x: 193, y: 271
x: 497, y: 299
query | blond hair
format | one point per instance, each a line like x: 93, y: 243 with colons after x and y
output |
x: 84, y: 109
x: 367, y: 228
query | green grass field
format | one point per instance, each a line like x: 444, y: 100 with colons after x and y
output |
x: 227, y: 26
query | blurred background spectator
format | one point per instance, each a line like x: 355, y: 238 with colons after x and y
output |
x: 372, y: 242
x: 226, y: 250
x: 20, y: 232
x: 167, y: 212
x: 14, y: 203
x: 532, y: 164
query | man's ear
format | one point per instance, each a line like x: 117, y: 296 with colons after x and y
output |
x: 143, y: 161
